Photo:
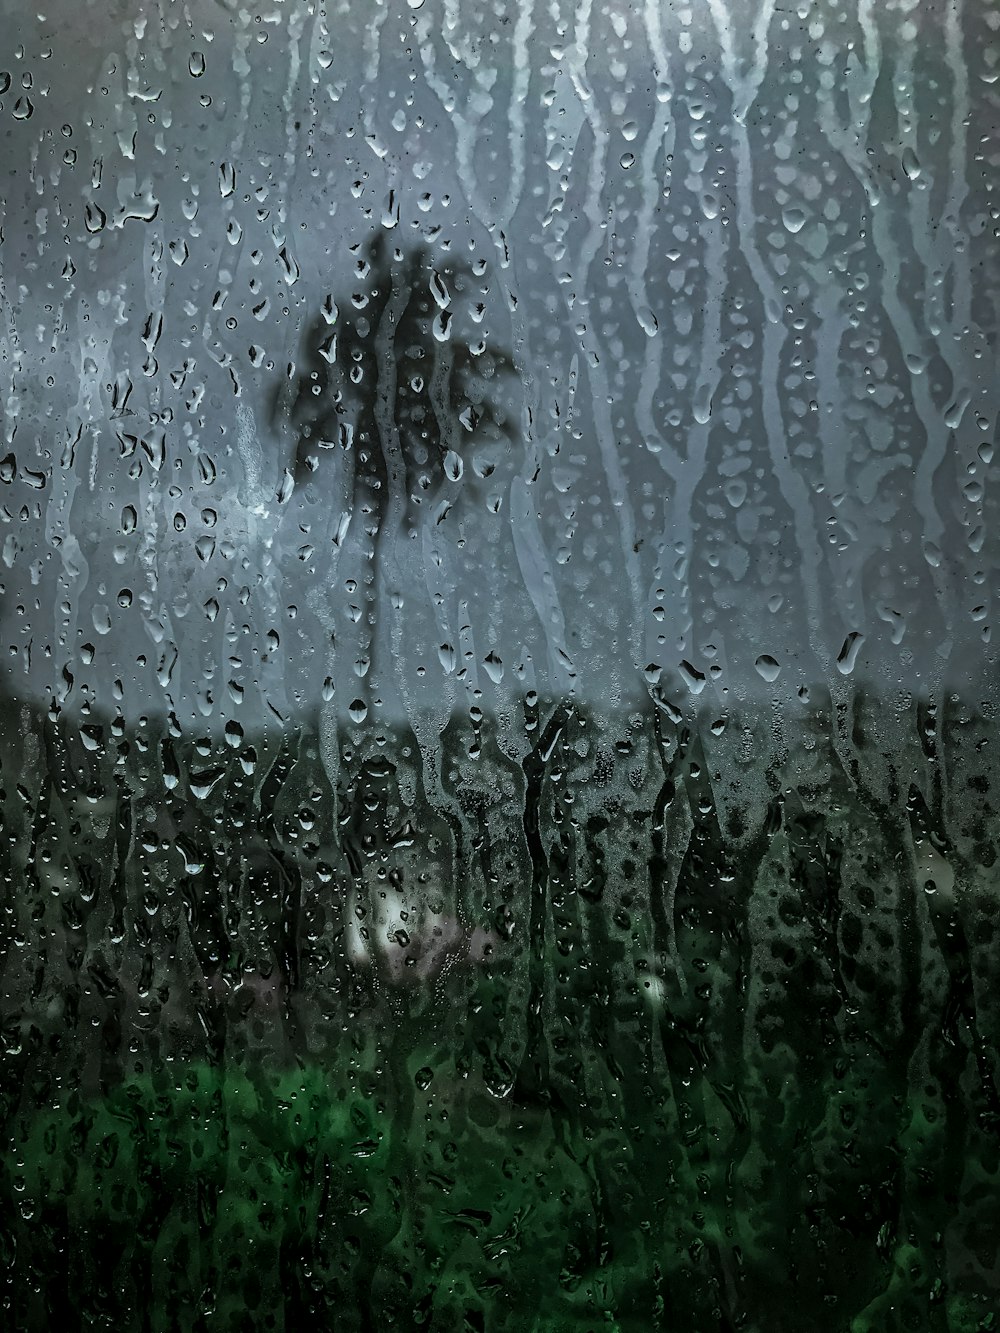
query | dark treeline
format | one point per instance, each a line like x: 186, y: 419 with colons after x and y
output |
x: 725, y: 984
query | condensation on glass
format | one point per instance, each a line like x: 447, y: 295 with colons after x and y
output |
x: 496, y: 565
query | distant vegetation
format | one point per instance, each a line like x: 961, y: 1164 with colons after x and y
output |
x: 573, y: 1022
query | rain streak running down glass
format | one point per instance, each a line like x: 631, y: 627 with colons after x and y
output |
x: 498, y: 524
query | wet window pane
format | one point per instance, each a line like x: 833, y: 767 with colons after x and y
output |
x: 497, y: 533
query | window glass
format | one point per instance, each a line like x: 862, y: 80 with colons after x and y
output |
x: 497, y: 535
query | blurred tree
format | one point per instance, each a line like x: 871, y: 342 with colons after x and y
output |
x: 399, y: 376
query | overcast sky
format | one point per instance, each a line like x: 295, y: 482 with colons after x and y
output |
x: 746, y: 268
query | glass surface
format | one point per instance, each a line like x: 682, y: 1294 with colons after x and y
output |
x: 499, y: 707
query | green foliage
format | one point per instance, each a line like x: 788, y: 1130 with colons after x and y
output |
x: 719, y: 1064
x: 204, y: 1176
x: 262, y: 1200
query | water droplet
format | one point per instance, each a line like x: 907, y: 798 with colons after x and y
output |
x: 194, y: 864
x: 911, y: 164
x: 915, y: 364
x: 358, y: 710
x: 702, y: 405
x: 848, y: 654
x: 794, y: 219
x: 693, y: 678
x: 196, y: 64
x: 439, y: 290
x: 94, y: 218
x: 956, y: 411
x: 285, y: 487
x: 647, y: 321
x: 290, y: 269
x: 767, y: 668
x: 204, y: 782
